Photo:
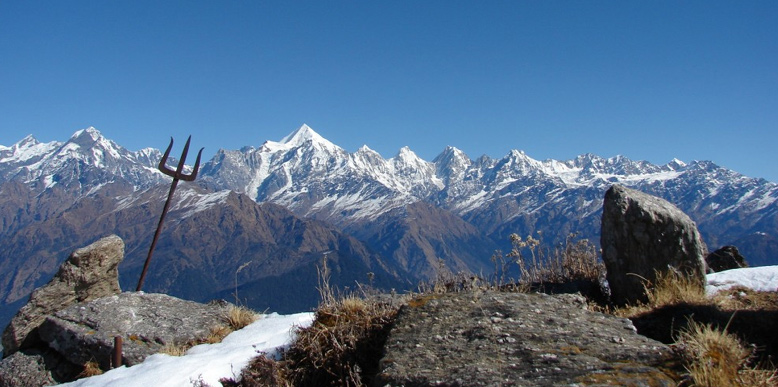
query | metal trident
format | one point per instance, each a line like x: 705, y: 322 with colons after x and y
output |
x: 177, y: 175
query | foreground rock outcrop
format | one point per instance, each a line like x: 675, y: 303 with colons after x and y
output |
x: 146, y: 322
x: 85, y: 333
x: 74, y: 318
x: 89, y: 273
x: 493, y: 338
x: 643, y: 235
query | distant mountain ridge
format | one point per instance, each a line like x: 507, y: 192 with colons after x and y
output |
x: 398, y: 218
x: 315, y: 178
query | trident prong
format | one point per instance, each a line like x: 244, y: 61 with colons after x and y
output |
x: 177, y: 174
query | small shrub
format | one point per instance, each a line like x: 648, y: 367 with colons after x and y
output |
x: 575, y: 260
x: 262, y: 371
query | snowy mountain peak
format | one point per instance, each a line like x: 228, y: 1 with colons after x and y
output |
x: 406, y: 156
x: 676, y: 164
x: 304, y: 135
x: 27, y: 148
x: 28, y: 140
x: 405, y: 152
x: 451, y: 151
x: 90, y: 131
x: 366, y: 150
x: 91, y: 137
x: 301, y: 135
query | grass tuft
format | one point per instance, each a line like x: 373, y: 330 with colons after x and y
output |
x: 91, y: 368
x: 238, y: 317
x: 717, y: 358
x: 669, y: 288
x: 235, y: 318
x: 342, y: 346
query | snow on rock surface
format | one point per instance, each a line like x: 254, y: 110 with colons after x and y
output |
x: 206, y: 363
x: 761, y: 279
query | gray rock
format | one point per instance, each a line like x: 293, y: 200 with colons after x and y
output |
x: 493, y: 338
x: 725, y: 258
x: 146, y: 323
x: 89, y: 273
x: 643, y: 234
x: 20, y: 370
x: 35, y: 368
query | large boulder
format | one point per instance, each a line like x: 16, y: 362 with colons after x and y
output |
x: 89, y: 273
x: 643, y: 235
x: 146, y: 322
x: 516, y: 339
x: 725, y: 258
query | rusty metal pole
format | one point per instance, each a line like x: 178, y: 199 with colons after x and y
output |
x: 177, y: 175
x: 117, y: 352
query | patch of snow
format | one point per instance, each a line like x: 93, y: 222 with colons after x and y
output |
x: 194, y: 202
x: 96, y: 188
x: 48, y: 181
x: 760, y: 278
x: 206, y: 363
x: 27, y: 149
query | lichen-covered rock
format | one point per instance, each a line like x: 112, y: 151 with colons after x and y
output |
x: 494, y: 338
x: 146, y: 322
x: 725, y: 258
x: 89, y: 273
x: 35, y: 368
x: 642, y: 235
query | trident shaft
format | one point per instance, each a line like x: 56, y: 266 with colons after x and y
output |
x: 177, y: 174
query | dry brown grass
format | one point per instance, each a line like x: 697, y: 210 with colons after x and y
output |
x: 238, y: 317
x: 235, y: 318
x: 713, y: 356
x: 340, y: 348
x: 716, y: 358
x: 740, y: 298
x: 669, y: 288
x: 91, y: 368
x: 575, y: 260
x: 176, y: 349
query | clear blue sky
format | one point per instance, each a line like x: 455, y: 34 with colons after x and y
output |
x: 650, y: 80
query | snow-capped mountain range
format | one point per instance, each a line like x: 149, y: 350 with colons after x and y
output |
x: 402, y: 214
x: 315, y: 178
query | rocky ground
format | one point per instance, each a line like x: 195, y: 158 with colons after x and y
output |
x: 495, y: 338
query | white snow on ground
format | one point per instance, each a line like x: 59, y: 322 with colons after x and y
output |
x: 207, y: 362
x: 761, y: 278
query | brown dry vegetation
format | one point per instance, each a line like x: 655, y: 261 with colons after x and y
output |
x: 91, y: 368
x: 234, y: 318
x: 340, y: 348
x: 724, y: 340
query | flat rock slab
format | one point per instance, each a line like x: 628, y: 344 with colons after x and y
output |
x: 146, y: 323
x: 514, y: 339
